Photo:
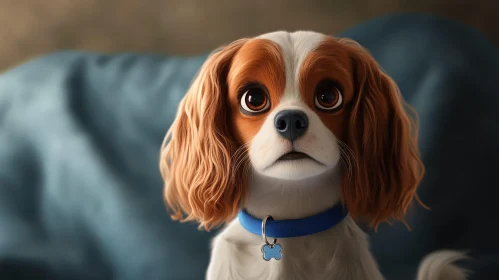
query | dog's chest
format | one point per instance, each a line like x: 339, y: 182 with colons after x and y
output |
x: 307, y: 258
x: 238, y: 255
x: 299, y: 261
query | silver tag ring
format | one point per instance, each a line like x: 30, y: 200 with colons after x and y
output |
x: 264, y: 222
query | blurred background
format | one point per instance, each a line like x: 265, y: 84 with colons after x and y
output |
x: 80, y: 190
x: 183, y: 27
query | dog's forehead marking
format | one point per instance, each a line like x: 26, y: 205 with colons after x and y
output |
x: 295, y: 47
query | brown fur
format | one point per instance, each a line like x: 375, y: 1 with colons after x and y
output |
x: 205, y: 180
x: 329, y: 60
x: 383, y: 138
x: 259, y: 60
x: 197, y: 161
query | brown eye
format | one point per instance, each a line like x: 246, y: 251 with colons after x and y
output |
x: 255, y: 100
x: 328, y: 97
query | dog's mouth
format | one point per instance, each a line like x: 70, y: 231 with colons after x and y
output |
x: 294, y: 156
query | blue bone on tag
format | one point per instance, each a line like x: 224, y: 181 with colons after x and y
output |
x: 271, y: 251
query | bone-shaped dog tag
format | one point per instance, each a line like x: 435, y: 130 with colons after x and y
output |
x: 270, y: 251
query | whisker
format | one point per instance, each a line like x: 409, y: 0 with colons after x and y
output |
x: 240, y: 158
x: 345, y: 161
x: 240, y: 162
x: 348, y: 150
x: 240, y: 150
x: 348, y: 156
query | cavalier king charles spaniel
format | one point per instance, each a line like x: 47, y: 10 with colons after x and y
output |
x: 295, y: 137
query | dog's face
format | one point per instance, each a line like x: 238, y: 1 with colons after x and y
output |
x: 290, y: 106
x: 289, y: 96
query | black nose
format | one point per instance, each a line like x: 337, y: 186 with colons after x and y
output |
x: 291, y: 124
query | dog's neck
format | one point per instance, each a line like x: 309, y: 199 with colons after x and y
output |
x: 289, y: 199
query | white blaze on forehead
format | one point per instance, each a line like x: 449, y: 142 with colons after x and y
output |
x: 295, y: 48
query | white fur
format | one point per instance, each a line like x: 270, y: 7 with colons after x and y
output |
x: 295, y: 47
x: 439, y: 265
x: 318, y: 142
x: 300, y: 189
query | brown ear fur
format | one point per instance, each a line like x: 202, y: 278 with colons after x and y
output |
x: 383, y: 137
x: 197, y: 162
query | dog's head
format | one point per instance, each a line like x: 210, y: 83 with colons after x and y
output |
x: 291, y: 106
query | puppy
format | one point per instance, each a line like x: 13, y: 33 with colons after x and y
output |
x: 297, y: 134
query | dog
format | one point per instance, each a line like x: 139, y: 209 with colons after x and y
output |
x: 303, y: 135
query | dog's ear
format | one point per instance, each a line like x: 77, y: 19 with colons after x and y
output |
x: 197, y: 162
x: 382, y: 133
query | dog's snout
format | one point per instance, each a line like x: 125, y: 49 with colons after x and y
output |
x: 291, y: 124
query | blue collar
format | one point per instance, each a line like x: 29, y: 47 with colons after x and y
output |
x: 294, y: 228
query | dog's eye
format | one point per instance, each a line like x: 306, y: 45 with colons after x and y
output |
x: 255, y: 100
x: 328, y: 97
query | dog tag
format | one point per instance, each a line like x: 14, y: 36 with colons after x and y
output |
x: 270, y: 251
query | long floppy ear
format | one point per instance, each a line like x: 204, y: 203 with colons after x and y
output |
x: 197, y: 162
x: 383, y: 137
